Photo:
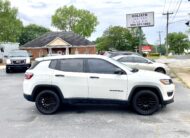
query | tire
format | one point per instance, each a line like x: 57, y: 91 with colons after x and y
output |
x: 47, y: 102
x: 145, y: 102
x: 160, y: 70
x: 8, y: 70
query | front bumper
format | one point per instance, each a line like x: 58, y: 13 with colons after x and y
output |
x: 22, y: 66
x: 168, y: 101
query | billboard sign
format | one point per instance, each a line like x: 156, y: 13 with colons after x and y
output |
x: 144, y: 19
x: 146, y: 48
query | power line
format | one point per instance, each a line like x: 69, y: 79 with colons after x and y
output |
x: 162, y: 12
x: 177, y: 10
x: 169, y: 5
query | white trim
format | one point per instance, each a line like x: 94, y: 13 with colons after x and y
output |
x: 57, y: 38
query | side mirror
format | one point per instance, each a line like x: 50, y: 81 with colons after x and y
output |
x: 135, y: 70
x: 5, y: 56
x: 149, y: 62
x: 119, y: 71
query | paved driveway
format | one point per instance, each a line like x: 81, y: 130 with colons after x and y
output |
x: 19, y: 118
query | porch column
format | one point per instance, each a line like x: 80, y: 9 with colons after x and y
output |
x: 50, y: 51
x: 67, y: 51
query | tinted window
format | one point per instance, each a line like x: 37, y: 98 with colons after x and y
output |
x: 140, y: 60
x: 34, y: 64
x: 100, y: 66
x: 53, y: 64
x: 126, y: 59
x: 71, y: 65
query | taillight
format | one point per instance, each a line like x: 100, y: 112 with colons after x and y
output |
x: 28, y: 75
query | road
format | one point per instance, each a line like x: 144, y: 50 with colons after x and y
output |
x: 182, y: 56
x: 19, y: 118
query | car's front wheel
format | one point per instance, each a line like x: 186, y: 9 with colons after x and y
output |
x: 8, y: 70
x: 47, y: 102
x: 160, y: 70
x: 145, y: 102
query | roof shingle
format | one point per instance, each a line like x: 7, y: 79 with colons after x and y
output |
x: 69, y: 37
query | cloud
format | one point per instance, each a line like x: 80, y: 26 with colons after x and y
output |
x: 38, y: 5
x: 109, y: 12
x: 113, y: 2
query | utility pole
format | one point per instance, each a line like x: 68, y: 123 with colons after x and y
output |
x: 160, y: 39
x: 140, y: 40
x: 167, y: 26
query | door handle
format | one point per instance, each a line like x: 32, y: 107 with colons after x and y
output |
x: 94, y: 77
x: 59, y: 75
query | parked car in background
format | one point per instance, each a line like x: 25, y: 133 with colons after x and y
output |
x: 17, y: 59
x: 94, y: 79
x: 140, y: 62
x: 116, y: 53
x: 7, y: 47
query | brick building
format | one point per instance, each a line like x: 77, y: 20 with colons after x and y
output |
x: 59, y: 43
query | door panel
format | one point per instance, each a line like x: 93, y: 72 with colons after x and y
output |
x: 69, y: 75
x: 72, y: 85
x: 107, y: 86
x: 145, y: 66
x: 130, y: 64
x: 103, y: 82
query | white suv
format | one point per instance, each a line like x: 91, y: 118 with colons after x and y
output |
x: 94, y: 79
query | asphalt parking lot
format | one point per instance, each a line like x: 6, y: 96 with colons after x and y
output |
x: 19, y: 118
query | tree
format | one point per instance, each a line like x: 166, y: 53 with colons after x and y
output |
x: 79, y: 21
x: 136, y: 37
x: 178, y: 42
x: 160, y: 49
x: 31, y: 32
x: 10, y: 26
x: 119, y: 38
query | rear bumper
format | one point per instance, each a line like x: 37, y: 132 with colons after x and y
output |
x: 25, y: 66
x: 28, y: 97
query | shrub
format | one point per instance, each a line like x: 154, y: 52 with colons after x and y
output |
x: 154, y: 54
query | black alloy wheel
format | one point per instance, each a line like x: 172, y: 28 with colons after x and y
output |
x: 8, y: 70
x: 47, y: 102
x: 145, y: 102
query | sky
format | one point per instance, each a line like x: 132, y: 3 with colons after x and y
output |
x: 110, y: 13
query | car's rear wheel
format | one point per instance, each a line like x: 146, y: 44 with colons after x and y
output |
x: 47, y: 102
x: 145, y: 102
x: 160, y: 70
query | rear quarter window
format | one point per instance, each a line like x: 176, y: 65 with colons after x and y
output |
x: 34, y: 64
x: 53, y: 64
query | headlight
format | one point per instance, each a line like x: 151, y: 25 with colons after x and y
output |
x: 166, y: 81
x: 8, y: 61
x: 27, y: 61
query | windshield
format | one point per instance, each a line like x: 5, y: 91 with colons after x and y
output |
x: 18, y: 54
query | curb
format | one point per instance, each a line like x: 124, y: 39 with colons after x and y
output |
x: 180, y: 78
